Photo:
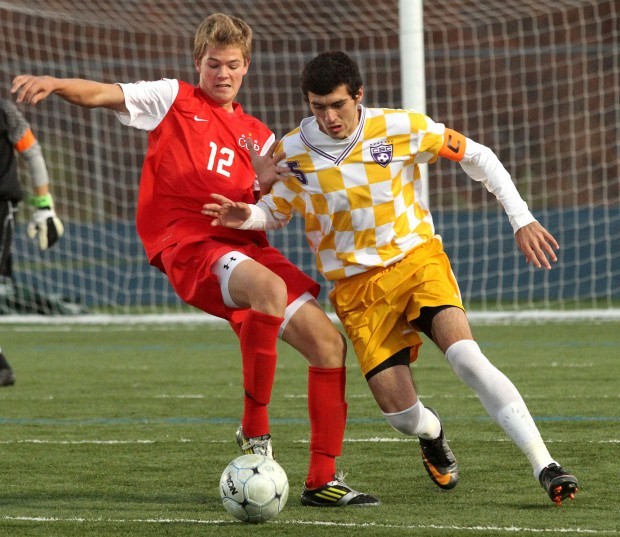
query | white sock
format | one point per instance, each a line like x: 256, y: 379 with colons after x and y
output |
x: 501, y: 400
x: 415, y: 421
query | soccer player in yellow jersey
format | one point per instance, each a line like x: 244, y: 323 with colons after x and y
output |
x: 353, y: 175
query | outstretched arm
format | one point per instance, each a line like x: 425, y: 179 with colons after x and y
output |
x: 86, y: 93
x: 481, y: 164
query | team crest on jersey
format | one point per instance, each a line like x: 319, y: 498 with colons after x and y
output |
x: 246, y: 141
x: 382, y: 153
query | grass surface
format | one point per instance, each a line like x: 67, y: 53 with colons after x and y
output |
x: 113, y: 431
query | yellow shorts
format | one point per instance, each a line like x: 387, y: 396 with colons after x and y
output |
x: 377, y: 307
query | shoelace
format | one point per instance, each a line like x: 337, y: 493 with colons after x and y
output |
x: 437, y: 446
x: 339, y: 476
x: 262, y: 445
x: 554, y: 471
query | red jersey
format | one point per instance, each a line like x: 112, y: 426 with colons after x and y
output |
x: 195, y: 148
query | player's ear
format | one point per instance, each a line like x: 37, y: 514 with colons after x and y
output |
x: 360, y: 95
x: 197, y: 65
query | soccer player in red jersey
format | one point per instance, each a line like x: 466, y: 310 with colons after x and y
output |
x: 200, y: 142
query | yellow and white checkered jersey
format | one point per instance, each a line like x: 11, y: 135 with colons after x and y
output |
x: 361, y: 196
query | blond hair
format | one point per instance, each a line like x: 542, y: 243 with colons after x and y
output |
x: 221, y: 30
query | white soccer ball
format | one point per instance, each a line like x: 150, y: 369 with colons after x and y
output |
x: 254, y: 488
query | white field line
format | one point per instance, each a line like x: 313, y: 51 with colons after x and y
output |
x: 78, y: 442
x: 580, y: 397
x: 163, y: 319
x: 372, y: 440
x: 506, y: 529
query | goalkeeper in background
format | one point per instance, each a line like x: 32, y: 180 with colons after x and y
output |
x: 16, y: 138
x: 354, y: 177
x: 199, y: 142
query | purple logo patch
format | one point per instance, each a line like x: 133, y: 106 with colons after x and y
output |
x: 382, y: 154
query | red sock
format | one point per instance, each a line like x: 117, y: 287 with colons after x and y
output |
x: 258, y: 337
x: 327, y: 409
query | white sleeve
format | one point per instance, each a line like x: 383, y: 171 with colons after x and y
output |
x: 36, y: 164
x: 262, y: 218
x: 147, y: 102
x: 481, y: 164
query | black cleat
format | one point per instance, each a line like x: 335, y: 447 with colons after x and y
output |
x: 258, y: 445
x: 439, y: 460
x: 558, y: 483
x: 336, y: 493
x: 7, y: 377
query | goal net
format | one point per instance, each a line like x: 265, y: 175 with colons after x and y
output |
x: 536, y: 80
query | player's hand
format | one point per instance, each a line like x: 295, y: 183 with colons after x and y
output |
x: 268, y: 168
x: 32, y: 89
x: 225, y: 212
x: 537, y: 244
x: 45, y: 226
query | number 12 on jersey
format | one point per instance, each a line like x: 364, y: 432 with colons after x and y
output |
x: 220, y: 159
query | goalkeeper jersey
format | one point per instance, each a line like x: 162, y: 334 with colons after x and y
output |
x: 361, y: 196
x: 195, y: 148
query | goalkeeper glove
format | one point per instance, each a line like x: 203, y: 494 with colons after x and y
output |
x: 44, y: 226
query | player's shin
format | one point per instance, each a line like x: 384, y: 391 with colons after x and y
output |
x: 415, y: 421
x: 258, y: 338
x: 327, y: 410
x: 501, y: 399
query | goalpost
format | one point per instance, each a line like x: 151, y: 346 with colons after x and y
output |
x: 537, y: 81
x: 413, y: 79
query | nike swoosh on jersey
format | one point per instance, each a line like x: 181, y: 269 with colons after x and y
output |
x: 196, y: 118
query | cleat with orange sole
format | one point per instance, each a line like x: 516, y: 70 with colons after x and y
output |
x: 439, y: 461
x: 559, y: 484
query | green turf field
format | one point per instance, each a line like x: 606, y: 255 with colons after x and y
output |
x: 114, y: 431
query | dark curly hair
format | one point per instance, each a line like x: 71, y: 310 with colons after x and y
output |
x: 324, y: 73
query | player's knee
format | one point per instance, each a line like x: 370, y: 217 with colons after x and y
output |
x: 335, y: 347
x: 330, y: 348
x: 467, y: 361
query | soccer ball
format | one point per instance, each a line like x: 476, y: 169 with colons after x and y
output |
x: 254, y: 488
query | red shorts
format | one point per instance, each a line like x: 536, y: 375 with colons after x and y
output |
x: 188, y: 267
